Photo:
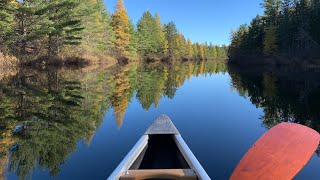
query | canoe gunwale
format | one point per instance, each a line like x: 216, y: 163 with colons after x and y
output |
x: 130, y: 158
x: 161, y: 126
x: 190, y: 158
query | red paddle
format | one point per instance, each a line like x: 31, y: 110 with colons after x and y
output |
x: 279, y: 154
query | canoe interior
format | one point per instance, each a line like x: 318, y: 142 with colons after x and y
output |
x: 160, y: 153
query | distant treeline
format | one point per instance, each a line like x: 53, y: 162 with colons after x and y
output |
x: 85, y: 27
x: 287, y: 28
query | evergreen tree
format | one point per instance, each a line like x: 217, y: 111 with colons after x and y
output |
x: 25, y: 23
x: 133, y: 44
x: 120, y: 25
x: 315, y: 20
x: 171, y: 36
x: 6, y: 15
x: 206, y: 51
x: 201, y: 51
x: 255, y: 36
x: 148, y: 41
x: 63, y: 25
x: 270, y: 40
x: 215, y: 52
x: 288, y: 27
x: 160, y: 34
x: 109, y: 34
x: 98, y: 36
x: 6, y: 20
x: 285, y: 29
x: 181, y: 46
x: 272, y: 10
x: 196, y: 50
x: 84, y: 27
x: 189, y: 49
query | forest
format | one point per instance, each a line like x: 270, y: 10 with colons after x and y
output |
x: 288, y: 28
x: 33, y: 29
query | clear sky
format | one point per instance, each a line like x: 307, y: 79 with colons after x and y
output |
x: 201, y: 20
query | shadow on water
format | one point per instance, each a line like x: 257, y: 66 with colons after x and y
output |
x: 44, y: 113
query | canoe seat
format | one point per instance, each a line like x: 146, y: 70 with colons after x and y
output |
x: 177, y: 174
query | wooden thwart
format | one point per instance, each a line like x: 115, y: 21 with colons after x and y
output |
x: 177, y: 174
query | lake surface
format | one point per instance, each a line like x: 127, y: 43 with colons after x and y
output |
x: 79, y: 124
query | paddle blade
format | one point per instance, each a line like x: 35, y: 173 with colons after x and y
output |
x: 279, y: 154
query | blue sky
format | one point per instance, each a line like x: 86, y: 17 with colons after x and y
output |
x: 201, y: 20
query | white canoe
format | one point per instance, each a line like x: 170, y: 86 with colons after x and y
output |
x: 161, y: 153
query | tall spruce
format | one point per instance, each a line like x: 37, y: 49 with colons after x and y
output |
x: 160, y: 34
x: 181, y: 46
x: 196, y: 50
x: 148, y: 40
x: 63, y: 27
x: 201, y: 51
x: 189, y: 49
x: 6, y: 21
x: 25, y: 24
x: 97, y: 36
x: 171, y: 36
x: 133, y: 44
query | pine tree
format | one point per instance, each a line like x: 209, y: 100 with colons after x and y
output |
x: 196, y: 50
x: 25, y: 21
x: 315, y: 20
x: 6, y: 15
x: 161, y: 37
x: 201, y: 51
x: 133, y: 44
x: 62, y: 26
x: 270, y: 46
x: 206, y: 51
x: 181, y: 46
x: 210, y: 52
x: 148, y: 41
x: 272, y: 10
x: 171, y: 36
x: 215, y: 52
x: 97, y: 37
x: 120, y: 25
x: 189, y: 49
x: 285, y: 29
x: 288, y: 27
x: 6, y: 21
x: 108, y: 31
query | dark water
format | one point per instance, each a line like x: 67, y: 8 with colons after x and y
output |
x: 79, y: 124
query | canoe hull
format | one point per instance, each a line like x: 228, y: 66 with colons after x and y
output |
x: 164, y: 128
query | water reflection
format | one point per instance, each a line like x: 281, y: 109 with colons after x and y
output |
x: 44, y: 113
x: 286, y: 95
x: 53, y: 111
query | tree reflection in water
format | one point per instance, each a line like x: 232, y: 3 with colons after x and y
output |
x: 284, y: 95
x: 44, y: 113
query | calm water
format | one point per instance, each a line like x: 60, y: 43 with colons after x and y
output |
x: 79, y: 124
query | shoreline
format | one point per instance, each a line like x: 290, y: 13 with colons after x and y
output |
x: 269, y: 62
